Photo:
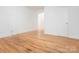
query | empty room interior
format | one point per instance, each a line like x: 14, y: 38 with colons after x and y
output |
x: 39, y: 29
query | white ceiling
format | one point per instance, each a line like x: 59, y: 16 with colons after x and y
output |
x: 37, y: 8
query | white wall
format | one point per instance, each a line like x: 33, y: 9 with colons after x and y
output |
x: 25, y: 20
x: 14, y: 20
x: 73, y: 13
x: 62, y: 21
x: 5, y: 15
x: 55, y: 21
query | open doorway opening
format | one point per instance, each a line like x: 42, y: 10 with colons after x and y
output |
x: 41, y: 22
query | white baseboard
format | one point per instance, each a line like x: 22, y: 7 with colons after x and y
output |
x: 74, y: 37
x: 11, y: 34
x: 68, y: 36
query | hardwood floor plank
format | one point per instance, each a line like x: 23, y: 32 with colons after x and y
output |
x: 33, y: 42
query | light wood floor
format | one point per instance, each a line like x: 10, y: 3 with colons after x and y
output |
x: 39, y: 43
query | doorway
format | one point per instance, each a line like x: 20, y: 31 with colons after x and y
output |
x: 41, y: 22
